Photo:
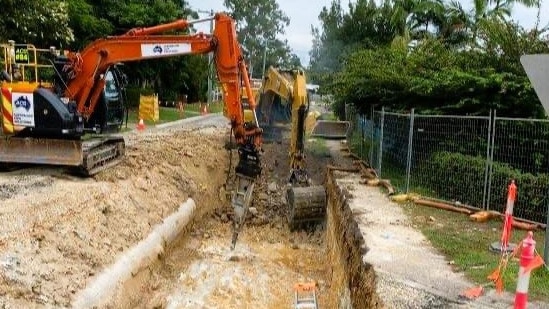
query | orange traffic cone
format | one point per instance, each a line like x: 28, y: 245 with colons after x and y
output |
x: 205, y: 110
x: 141, y: 125
x: 473, y: 292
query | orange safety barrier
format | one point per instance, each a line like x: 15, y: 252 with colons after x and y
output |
x: 529, y: 261
x: 508, y: 221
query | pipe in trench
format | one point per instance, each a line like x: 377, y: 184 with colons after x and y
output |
x: 105, y: 286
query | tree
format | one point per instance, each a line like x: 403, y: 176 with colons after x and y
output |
x: 86, y: 25
x: 258, y: 24
x: 41, y: 22
x: 169, y: 77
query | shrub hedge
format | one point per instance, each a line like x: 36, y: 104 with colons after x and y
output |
x: 461, y: 177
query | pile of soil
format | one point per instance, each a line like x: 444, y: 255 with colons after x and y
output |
x: 269, y: 204
x: 58, y: 230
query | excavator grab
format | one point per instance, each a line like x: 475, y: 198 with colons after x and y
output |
x: 70, y: 120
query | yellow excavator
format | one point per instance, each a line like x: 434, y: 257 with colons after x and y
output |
x: 283, y: 93
x: 255, y: 84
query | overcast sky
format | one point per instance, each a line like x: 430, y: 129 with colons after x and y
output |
x: 304, y: 13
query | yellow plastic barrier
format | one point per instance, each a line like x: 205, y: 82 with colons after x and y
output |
x: 149, y: 108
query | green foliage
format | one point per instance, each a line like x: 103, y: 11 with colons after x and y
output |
x: 428, y: 54
x: 443, y: 165
x: 42, y: 22
x: 259, y: 23
x: 434, y: 79
x: 170, y: 77
x: 87, y: 26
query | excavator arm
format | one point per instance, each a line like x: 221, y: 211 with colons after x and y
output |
x: 52, y: 118
x: 86, y: 82
x: 306, y: 202
x: 85, y: 70
x: 290, y: 86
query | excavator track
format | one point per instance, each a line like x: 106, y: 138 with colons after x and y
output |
x: 101, y: 154
x: 306, y: 204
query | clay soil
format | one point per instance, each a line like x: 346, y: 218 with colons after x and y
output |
x: 201, y: 271
x: 58, y: 231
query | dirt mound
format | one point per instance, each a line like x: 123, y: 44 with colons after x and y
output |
x: 269, y: 203
x: 60, y: 230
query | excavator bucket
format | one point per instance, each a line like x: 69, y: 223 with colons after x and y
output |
x: 306, y: 204
x: 331, y: 129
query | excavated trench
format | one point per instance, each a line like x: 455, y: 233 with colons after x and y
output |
x: 197, y: 270
x: 200, y: 271
x: 355, y: 280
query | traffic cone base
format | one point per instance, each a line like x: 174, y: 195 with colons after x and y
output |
x: 141, y: 125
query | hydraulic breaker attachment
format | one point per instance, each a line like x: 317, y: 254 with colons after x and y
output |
x: 247, y: 171
x: 241, y: 200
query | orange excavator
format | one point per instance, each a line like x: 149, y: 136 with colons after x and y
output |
x: 49, y: 120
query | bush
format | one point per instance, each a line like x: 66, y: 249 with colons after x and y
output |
x: 461, y: 177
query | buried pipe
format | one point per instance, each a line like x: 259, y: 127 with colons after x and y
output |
x: 105, y: 286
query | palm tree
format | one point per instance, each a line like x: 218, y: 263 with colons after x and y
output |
x: 416, y: 17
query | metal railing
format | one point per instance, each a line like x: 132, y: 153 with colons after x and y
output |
x: 465, y: 159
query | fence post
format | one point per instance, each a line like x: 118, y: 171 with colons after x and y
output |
x: 372, y: 135
x: 491, y: 160
x: 487, y: 166
x: 409, y: 158
x: 380, y: 151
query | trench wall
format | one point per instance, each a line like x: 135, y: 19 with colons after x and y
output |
x: 354, y: 279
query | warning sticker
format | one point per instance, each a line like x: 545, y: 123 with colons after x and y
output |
x: 159, y: 50
x: 23, y: 109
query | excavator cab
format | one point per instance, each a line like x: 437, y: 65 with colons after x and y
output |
x: 111, y: 108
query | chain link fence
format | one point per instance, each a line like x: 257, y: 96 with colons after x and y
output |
x: 465, y: 159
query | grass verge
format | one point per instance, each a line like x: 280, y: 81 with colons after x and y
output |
x: 466, y: 245
x: 317, y: 147
x: 169, y: 114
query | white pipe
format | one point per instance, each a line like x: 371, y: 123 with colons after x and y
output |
x: 105, y: 286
